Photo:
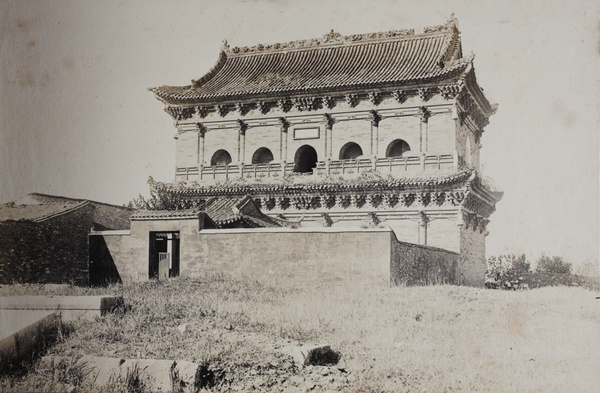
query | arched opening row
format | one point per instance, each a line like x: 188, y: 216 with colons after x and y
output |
x: 306, y: 157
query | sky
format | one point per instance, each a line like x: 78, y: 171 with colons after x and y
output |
x: 76, y: 118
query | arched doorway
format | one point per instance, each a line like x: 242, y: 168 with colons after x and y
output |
x: 262, y: 156
x: 221, y: 157
x: 350, y: 151
x: 397, y: 148
x: 305, y: 159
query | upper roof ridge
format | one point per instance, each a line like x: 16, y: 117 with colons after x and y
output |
x: 334, y: 38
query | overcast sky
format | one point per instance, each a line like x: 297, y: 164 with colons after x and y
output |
x: 76, y: 118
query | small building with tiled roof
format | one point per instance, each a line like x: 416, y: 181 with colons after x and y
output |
x: 171, y: 240
x: 344, y: 131
x: 45, y: 237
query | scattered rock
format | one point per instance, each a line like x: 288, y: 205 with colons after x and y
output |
x: 314, y: 355
x: 182, y: 328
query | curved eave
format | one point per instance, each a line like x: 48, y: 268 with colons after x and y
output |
x: 476, y: 91
x: 486, y: 193
x: 408, y: 184
x: 450, y: 76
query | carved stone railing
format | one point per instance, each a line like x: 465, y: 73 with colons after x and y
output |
x: 350, y: 168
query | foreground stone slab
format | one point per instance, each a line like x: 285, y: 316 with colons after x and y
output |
x: 103, y: 370
x: 186, y: 375
x: 158, y: 374
x: 22, y: 337
x: 155, y: 375
x: 71, y: 307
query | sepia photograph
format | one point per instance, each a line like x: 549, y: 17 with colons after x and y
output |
x: 299, y: 196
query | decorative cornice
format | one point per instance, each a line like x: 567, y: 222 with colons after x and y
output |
x: 424, y: 93
x: 242, y: 108
x: 381, y: 201
x: 328, y: 102
x: 449, y: 91
x: 263, y: 107
x: 352, y: 100
x: 306, y: 103
x: 399, y: 95
x: 221, y: 110
x: 179, y: 112
x: 472, y: 110
x: 284, y: 104
x: 375, y: 98
x: 202, y: 111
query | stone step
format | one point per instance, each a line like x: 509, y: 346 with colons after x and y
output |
x: 71, y: 307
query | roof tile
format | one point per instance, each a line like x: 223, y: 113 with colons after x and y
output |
x: 319, y: 65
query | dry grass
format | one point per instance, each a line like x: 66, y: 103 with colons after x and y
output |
x: 429, y: 339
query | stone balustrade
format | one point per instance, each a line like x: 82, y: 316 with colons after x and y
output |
x: 348, y: 168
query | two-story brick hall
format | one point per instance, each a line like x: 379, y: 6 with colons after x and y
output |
x: 365, y: 130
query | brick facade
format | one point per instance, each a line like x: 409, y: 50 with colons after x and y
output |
x: 53, y: 251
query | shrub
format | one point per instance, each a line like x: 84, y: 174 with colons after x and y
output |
x: 552, y: 265
x: 504, y: 267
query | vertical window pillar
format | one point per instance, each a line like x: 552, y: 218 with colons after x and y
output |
x: 201, y: 136
x: 241, y: 141
x: 375, y: 119
x: 328, y: 135
x: 283, y: 129
x: 424, y: 115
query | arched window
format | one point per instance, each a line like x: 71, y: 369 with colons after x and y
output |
x: 350, y: 151
x: 397, y: 148
x: 305, y: 159
x: 221, y: 157
x: 262, y: 156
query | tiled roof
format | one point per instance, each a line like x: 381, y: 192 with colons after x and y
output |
x: 165, y: 214
x: 105, y: 215
x: 331, y: 63
x: 330, y: 185
x: 221, y: 211
x: 228, y: 210
x: 37, y: 213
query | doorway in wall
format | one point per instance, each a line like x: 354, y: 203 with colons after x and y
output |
x: 164, y: 255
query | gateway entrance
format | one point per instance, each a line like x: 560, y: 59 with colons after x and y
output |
x: 164, y: 255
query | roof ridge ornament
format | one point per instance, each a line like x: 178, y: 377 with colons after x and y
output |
x: 331, y: 38
x: 450, y: 25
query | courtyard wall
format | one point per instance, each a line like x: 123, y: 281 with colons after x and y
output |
x: 53, y: 251
x: 302, y: 255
